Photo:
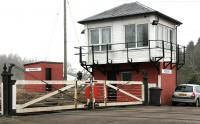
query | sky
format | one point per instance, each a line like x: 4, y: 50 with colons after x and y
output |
x: 33, y: 29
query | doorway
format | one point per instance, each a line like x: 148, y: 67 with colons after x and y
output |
x: 112, y: 93
x: 48, y: 74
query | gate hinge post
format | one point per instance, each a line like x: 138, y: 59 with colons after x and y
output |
x: 145, y: 83
x: 7, y: 90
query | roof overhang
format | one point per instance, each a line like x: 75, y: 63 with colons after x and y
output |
x: 85, y: 21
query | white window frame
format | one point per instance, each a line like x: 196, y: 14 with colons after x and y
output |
x: 166, y: 38
x: 168, y: 33
x: 136, y: 41
x: 100, y: 44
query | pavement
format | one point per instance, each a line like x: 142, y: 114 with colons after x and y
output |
x: 115, y: 115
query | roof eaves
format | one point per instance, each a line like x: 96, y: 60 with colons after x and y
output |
x: 122, y: 16
x: 169, y: 18
x: 40, y: 62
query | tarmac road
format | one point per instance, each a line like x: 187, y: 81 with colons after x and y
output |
x: 123, y: 115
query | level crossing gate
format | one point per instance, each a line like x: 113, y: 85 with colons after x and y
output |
x: 73, y: 95
x: 63, y: 95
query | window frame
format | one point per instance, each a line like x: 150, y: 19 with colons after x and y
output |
x: 135, y: 42
x: 136, y: 38
x: 147, y: 35
x: 166, y: 39
x: 90, y: 41
x: 100, y: 44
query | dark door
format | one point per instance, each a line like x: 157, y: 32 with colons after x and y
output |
x: 48, y: 74
x: 112, y: 93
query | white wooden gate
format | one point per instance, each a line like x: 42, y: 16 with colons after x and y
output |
x: 123, y: 92
x: 127, y: 93
x: 70, y: 86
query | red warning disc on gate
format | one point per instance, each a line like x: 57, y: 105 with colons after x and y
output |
x: 87, y: 92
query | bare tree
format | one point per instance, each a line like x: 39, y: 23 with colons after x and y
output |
x: 14, y: 59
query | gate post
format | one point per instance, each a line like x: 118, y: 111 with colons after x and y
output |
x: 92, y: 93
x: 146, y: 90
x: 7, y: 90
x: 76, y: 95
x: 105, y: 94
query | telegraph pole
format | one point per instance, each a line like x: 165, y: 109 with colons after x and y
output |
x: 65, y: 41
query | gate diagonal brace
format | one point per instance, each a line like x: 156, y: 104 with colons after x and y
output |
x: 44, y: 97
x: 124, y: 92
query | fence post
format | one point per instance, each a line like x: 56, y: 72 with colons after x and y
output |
x: 142, y: 88
x: 105, y: 94
x: 75, y: 95
x: 7, y: 90
x: 91, y: 104
x: 14, y: 97
x: 146, y: 90
x: 93, y: 98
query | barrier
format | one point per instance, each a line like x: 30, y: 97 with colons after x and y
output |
x: 72, y: 95
x: 127, y: 93
x: 60, y: 99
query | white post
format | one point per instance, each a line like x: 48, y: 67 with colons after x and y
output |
x: 14, y: 95
x: 142, y: 92
x: 75, y: 96
x: 159, y: 81
x: 93, y: 99
x: 1, y: 98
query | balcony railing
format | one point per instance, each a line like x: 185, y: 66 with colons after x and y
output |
x: 153, y: 50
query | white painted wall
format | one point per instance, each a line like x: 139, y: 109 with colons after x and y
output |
x: 118, y: 53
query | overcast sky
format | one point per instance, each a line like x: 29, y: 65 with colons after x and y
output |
x: 34, y: 28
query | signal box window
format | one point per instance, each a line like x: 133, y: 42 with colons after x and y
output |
x: 100, y: 37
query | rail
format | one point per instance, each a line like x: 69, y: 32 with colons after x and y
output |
x: 131, y: 52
